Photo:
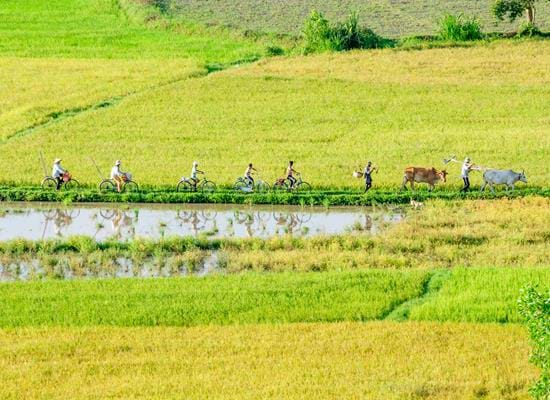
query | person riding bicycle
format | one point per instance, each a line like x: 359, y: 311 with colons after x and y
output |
x: 248, y: 174
x: 194, y: 172
x: 290, y: 171
x: 118, y: 176
x: 58, y: 173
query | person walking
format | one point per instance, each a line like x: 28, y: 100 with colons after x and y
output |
x: 367, y: 173
x: 467, y: 166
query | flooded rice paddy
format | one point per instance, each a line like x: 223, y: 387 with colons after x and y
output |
x: 102, y: 222
x: 42, y: 221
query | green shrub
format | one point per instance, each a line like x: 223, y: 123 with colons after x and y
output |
x: 459, y: 28
x: 320, y: 35
x: 528, y: 29
x: 534, y: 306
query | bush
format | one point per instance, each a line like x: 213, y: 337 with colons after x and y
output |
x: 528, y: 29
x: 320, y: 35
x: 535, y: 309
x: 459, y: 28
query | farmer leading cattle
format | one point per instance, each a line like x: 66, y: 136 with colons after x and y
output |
x: 467, y: 166
x: 58, y: 172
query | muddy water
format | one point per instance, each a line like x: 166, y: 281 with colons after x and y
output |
x: 39, y: 221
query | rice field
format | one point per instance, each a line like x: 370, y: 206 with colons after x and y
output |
x: 394, y: 18
x: 286, y: 317
x: 68, y: 87
x: 295, y: 361
x: 329, y: 113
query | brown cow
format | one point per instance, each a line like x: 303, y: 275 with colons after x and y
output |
x: 423, y: 175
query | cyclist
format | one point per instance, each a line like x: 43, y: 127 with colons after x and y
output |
x: 248, y: 174
x: 290, y: 171
x: 58, y: 172
x: 118, y: 176
x: 194, y: 172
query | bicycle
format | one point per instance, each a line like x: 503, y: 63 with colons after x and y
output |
x: 67, y: 182
x: 127, y: 185
x: 188, y: 185
x: 246, y: 185
x: 284, y: 184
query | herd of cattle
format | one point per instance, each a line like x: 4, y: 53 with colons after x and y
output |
x: 491, y: 177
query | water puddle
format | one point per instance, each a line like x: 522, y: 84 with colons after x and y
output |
x: 40, y: 221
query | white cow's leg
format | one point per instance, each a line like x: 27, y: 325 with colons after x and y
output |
x: 482, y: 189
x: 492, y: 186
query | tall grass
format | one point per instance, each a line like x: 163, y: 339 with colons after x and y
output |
x: 459, y: 28
x: 377, y: 360
x: 488, y: 295
x: 220, y: 300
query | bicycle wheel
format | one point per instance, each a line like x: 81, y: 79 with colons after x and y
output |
x: 72, y: 212
x: 71, y: 185
x: 130, y: 187
x: 49, y: 183
x: 262, y: 187
x: 208, y: 187
x: 303, y: 187
x: 240, y: 185
x: 184, y: 186
x: 280, y: 186
x: 107, y: 214
x: 107, y: 186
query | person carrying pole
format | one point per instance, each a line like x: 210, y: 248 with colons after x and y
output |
x: 367, y: 173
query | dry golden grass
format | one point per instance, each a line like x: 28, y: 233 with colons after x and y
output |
x: 39, y: 87
x: 303, y: 361
x: 497, y: 63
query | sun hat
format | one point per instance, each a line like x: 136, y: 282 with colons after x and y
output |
x: 57, y: 161
x: 117, y: 162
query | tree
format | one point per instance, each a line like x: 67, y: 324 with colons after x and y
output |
x: 512, y: 9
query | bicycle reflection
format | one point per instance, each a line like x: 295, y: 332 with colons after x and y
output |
x: 61, y: 219
x: 123, y: 223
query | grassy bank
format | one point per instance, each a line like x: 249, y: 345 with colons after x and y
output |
x: 296, y: 361
x: 316, y: 197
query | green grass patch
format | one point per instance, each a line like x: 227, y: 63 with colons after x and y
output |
x: 481, y: 295
x: 317, y: 197
x: 112, y: 29
x: 240, y: 299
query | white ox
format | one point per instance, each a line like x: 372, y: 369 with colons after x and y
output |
x: 508, y: 177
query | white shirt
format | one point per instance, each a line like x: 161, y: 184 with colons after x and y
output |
x: 194, y: 172
x: 57, y: 171
x: 116, y: 172
x: 465, y: 169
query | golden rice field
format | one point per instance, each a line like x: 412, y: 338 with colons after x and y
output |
x: 294, y: 361
x: 329, y: 113
x: 40, y: 87
x: 478, y: 233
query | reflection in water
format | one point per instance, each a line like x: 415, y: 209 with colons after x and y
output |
x: 123, y: 224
